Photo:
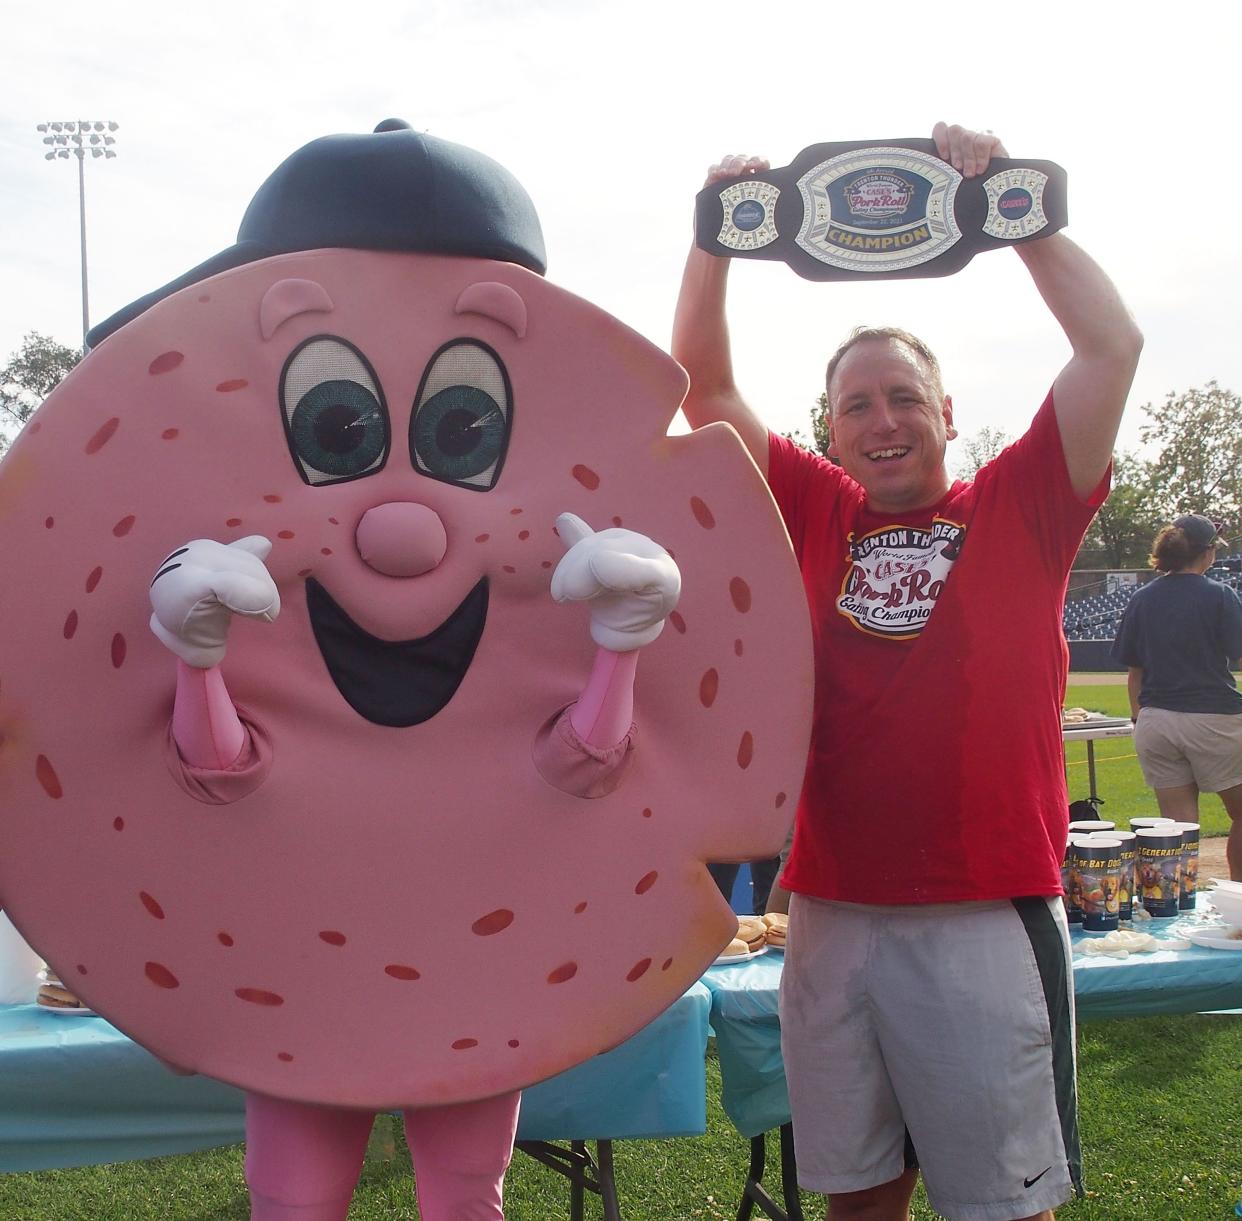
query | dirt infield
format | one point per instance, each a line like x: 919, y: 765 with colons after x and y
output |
x: 1212, y: 859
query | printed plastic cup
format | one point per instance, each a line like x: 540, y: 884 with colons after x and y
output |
x: 1190, y: 865
x: 1099, y: 865
x: 19, y: 967
x: 1071, y: 881
x: 1091, y: 826
x: 1144, y: 824
x: 1129, y: 856
x: 1160, y: 870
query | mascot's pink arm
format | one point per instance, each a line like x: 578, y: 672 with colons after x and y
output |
x: 210, y: 735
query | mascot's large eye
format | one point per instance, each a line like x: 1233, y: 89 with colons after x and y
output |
x: 460, y: 428
x: 335, y: 417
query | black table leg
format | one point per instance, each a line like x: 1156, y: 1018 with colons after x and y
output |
x: 755, y: 1195
x: 576, y: 1164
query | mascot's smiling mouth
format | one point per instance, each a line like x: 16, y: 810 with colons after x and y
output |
x: 396, y: 682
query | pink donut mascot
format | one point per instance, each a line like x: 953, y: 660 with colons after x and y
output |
x: 343, y: 807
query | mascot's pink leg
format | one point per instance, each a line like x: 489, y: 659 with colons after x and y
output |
x: 302, y: 1162
x: 460, y: 1156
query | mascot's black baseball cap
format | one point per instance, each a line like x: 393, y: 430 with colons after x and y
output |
x: 393, y: 189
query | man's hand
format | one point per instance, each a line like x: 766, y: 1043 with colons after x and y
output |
x: 201, y: 586
x: 967, y: 151
x: 733, y: 166
x: 631, y: 582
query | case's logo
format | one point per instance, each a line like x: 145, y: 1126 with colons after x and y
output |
x: 879, y: 196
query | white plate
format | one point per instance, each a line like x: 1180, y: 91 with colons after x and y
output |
x: 726, y: 959
x: 1225, y: 884
x: 66, y: 1011
x: 1216, y: 938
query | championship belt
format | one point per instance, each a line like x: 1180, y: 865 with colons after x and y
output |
x: 869, y: 209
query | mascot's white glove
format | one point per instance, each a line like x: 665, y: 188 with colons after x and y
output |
x: 201, y: 586
x: 632, y: 583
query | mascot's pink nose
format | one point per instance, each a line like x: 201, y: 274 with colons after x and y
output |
x: 401, y: 539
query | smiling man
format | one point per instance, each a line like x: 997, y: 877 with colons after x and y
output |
x: 927, y: 1010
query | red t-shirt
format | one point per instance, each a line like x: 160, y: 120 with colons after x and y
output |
x: 936, y: 771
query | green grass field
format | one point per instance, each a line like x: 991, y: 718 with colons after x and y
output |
x: 1158, y: 1098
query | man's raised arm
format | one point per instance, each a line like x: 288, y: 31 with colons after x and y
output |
x: 701, y: 338
x: 1089, y: 394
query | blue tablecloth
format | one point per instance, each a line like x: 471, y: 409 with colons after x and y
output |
x: 744, y: 1011
x: 74, y: 1091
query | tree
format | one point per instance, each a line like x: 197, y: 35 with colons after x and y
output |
x: 27, y: 378
x: 820, y: 437
x: 977, y: 449
x: 1121, y: 532
x: 1198, y: 467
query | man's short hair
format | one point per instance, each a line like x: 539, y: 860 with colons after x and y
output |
x: 895, y: 334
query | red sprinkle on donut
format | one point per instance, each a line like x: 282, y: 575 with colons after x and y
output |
x: 565, y: 972
x: 780, y: 800
x: 647, y: 813
x: 464, y: 1044
x: 493, y: 922
x: 639, y: 969
x: 580, y: 908
x: 236, y: 383
x: 225, y: 940
x: 161, y: 976
x: 284, y: 1056
x: 702, y: 514
x: 509, y: 568
x: 272, y: 498
x: 514, y: 512
x: 514, y: 1043
x: 118, y: 823
x: 739, y: 591
x: 92, y: 581
x: 737, y: 647
x: 646, y: 882
x: 325, y: 550
x: 481, y: 538
x: 668, y: 962
x: 257, y: 996
x: 151, y: 905
x: 233, y: 522
x: 118, y: 651
x: 709, y: 685
x: 71, y: 624
x: 745, y: 750
x: 285, y: 534
x: 334, y: 521
x: 678, y: 622
x: 616, y: 521
x: 399, y: 971
x: 103, y: 436
x: 523, y: 535
x: 170, y: 434
x: 124, y: 526
x: 49, y: 522
x: 585, y: 476
x: 47, y: 777
x: 332, y: 937
x: 166, y: 362
x: 81, y: 970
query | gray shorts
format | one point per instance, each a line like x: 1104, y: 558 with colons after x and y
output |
x: 945, y: 1027
x: 1178, y: 748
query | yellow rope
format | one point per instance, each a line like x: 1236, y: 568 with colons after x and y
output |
x: 1098, y: 760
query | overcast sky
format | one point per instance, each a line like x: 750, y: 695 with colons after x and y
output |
x: 609, y: 114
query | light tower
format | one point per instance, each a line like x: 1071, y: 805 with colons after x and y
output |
x: 77, y: 139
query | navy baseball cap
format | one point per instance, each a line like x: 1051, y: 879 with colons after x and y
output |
x: 1200, y: 530
x: 391, y: 189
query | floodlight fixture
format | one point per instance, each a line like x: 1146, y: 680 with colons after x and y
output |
x: 73, y: 138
